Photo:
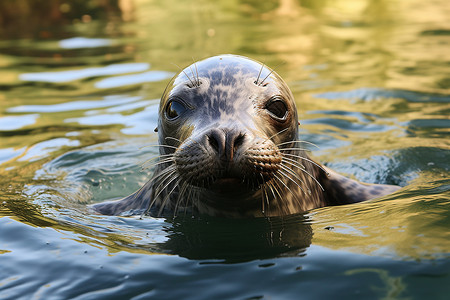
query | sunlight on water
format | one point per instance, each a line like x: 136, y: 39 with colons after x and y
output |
x: 65, y: 76
x: 82, y: 42
x: 79, y: 93
x: 125, y: 80
x: 74, y: 105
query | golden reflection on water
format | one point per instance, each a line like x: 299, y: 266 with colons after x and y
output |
x: 317, y: 46
x: 394, y: 226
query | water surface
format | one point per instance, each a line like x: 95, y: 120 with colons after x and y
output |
x: 79, y: 91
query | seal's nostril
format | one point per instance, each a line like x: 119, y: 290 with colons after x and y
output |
x: 213, y: 143
x: 239, y: 140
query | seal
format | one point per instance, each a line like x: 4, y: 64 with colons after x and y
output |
x: 228, y: 144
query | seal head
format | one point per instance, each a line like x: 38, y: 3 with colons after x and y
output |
x: 224, y: 121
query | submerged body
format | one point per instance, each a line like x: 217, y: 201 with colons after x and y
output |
x: 228, y: 140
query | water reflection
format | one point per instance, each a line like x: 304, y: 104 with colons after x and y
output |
x: 126, y: 80
x: 79, y: 83
x: 74, y: 105
x: 238, y: 240
x: 17, y: 122
x: 66, y: 76
x: 82, y: 42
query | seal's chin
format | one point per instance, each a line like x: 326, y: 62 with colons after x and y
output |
x: 228, y: 181
x: 227, y: 185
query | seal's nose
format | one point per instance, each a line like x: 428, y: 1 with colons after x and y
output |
x: 225, y: 142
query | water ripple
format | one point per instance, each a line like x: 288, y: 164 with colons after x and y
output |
x: 369, y: 94
x: 17, y: 122
x: 71, y: 75
x: 82, y: 42
x: 118, y: 81
x: 73, y: 105
x: 142, y: 122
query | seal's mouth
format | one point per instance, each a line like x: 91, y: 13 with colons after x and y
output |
x: 227, y: 184
x: 228, y: 181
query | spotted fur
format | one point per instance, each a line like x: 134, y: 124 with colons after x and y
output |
x: 227, y: 150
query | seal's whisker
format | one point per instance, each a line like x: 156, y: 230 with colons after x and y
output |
x: 309, y: 174
x: 143, y: 190
x: 306, y: 159
x: 272, y: 188
x: 298, y: 141
x: 184, y: 73
x: 296, y: 197
x: 174, y: 139
x: 180, y: 198
x: 262, y: 195
x: 156, y: 177
x: 294, y: 174
x: 157, y: 157
x: 188, y: 199
x: 193, y: 76
x: 160, y: 157
x: 293, y: 149
x: 145, y: 146
x: 299, y: 165
x: 271, y: 71
x: 155, y: 198
x: 259, y: 74
x: 285, y: 185
x: 162, y: 205
x: 195, y: 200
x: 159, y: 180
x: 162, y: 181
x: 163, y: 161
x: 198, y: 77
x: 293, y: 181
x: 278, y: 133
x: 278, y: 190
x: 267, y: 198
x: 159, y: 145
x: 314, y: 178
x: 166, y: 173
x: 196, y: 71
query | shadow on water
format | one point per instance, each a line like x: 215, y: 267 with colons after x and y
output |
x: 239, y: 240
x: 207, y: 239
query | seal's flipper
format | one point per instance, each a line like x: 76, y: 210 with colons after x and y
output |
x: 133, y: 204
x: 343, y: 190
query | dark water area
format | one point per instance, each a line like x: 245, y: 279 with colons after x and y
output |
x: 80, y: 83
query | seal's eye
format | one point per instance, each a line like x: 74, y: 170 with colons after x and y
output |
x: 174, y: 109
x: 277, y: 109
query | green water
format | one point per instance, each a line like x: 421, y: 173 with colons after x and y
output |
x: 79, y: 89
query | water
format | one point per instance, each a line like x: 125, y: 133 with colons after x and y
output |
x: 79, y: 91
